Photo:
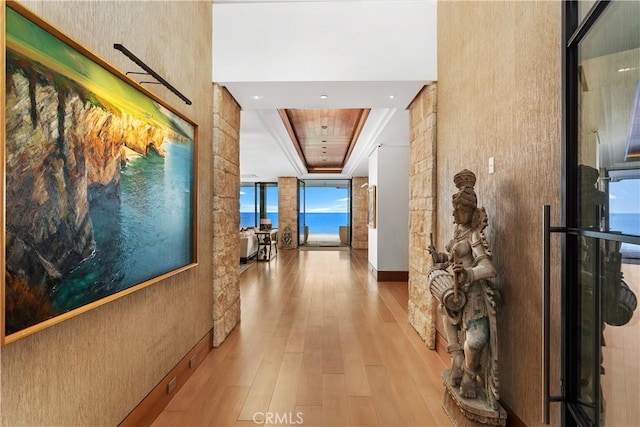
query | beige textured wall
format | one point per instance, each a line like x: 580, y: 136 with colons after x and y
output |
x: 359, y: 213
x: 422, y: 210
x: 95, y: 368
x: 226, y: 213
x: 499, y: 94
x: 288, y: 208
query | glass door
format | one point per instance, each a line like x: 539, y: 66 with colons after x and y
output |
x: 601, y: 327
x: 349, y: 217
x: 249, y: 213
x: 303, y: 229
x: 324, y: 207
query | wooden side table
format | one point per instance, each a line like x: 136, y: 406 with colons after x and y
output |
x: 266, y: 239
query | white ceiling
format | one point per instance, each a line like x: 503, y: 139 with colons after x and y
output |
x: 274, y: 54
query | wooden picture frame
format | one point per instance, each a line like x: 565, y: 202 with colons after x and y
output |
x: 372, y: 206
x: 99, y: 183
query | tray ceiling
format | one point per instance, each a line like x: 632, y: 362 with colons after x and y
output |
x: 324, y: 138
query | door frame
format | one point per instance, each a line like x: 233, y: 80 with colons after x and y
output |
x: 572, y: 414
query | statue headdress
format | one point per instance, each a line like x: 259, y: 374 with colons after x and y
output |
x: 464, y: 181
x: 464, y: 178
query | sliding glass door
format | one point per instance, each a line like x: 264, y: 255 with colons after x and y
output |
x: 303, y: 230
x: 601, y: 322
x: 324, y: 212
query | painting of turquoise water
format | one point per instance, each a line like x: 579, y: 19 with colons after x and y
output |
x: 100, y: 186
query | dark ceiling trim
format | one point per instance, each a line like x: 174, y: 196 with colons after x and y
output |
x: 364, y: 113
x: 284, y: 115
x: 324, y: 169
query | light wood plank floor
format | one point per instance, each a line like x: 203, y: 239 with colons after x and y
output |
x: 621, y: 381
x: 320, y: 343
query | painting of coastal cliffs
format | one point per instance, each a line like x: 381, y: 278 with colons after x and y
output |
x: 99, y: 181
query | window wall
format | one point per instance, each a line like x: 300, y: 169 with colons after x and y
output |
x: 258, y: 200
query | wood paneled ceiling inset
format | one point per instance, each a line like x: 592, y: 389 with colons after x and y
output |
x: 324, y: 138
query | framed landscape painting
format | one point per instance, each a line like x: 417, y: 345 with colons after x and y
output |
x: 99, y: 181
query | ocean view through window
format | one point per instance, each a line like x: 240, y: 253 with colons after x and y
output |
x: 324, y: 209
x: 258, y: 200
x: 325, y: 212
x: 624, y: 203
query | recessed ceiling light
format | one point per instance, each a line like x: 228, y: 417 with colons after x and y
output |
x: 391, y: 96
x: 323, y: 96
x: 257, y: 97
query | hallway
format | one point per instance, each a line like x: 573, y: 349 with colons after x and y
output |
x: 320, y: 343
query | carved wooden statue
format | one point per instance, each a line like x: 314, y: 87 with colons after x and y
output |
x: 460, y: 282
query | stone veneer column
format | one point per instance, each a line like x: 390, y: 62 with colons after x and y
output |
x: 288, y: 208
x: 226, y: 213
x: 359, y: 213
x: 422, y: 211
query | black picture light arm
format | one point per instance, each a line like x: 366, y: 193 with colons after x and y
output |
x: 151, y: 72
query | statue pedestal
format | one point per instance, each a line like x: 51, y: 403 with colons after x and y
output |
x: 465, y: 412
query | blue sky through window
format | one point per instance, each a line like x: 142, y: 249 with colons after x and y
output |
x: 327, y: 200
x: 318, y: 199
x: 624, y: 196
x: 247, y: 198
